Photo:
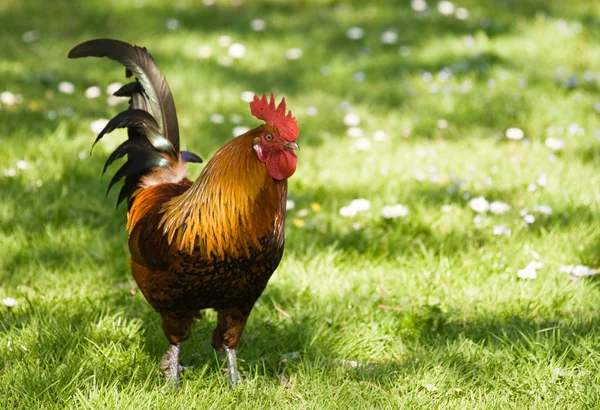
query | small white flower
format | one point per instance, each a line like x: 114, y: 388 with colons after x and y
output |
x: 293, y: 53
x: 515, y: 134
x: 418, y: 5
x: 8, y: 98
x: 113, y: 88
x: 588, y: 76
x: 555, y: 144
x: 247, y: 96
x: 542, y: 180
x: 224, y: 41
x: 237, y: 50
x: 225, y: 61
x: 360, y: 204
x: 379, y: 136
x: 66, y: 87
x: 404, y: 51
x: 363, y: 144
x: 446, y: 208
x: 217, y: 118
x: 529, y: 219
x: 355, y: 132
x: 290, y: 204
x: 204, y: 51
x: 172, y: 24
x: 302, y: 213
x: 93, y: 92
x: 348, y: 211
x: 394, y: 211
x: 575, y: 129
x: 462, y: 13
x: 82, y: 155
x: 479, y: 204
x: 311, y: 110
x: 477, y: 220
x: 419, y: 175
x: 351, y: 119
x: 355, y: 33
x: 345, y: 106
x: 359, y: 76
x: 578, y: 270
x: 235, y: 118
x: 239, y: 130
x: 389, y: 37
x: 21, y: 164
x: 442, y: 124
x: 9, y: 302
x: 445, y: 8
x: 501, y: 230
x: 258, y: 25
x: 10, y: 172
x: 543, y: 209
x: 427, y: 76
x: 499, y: 207
x: 98, y: 125
x: 30, y: 36
x: 530, y: 271
x: 532, y: 187
x: 444, y: 74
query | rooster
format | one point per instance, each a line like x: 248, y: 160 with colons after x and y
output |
x: 212, y: 243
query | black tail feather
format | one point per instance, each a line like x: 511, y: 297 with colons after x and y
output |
x: 151, y: 119
x: 140, y: 63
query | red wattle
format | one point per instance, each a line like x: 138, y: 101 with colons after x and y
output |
x: 282, y: 164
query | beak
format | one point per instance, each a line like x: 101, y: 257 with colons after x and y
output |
x: 292, y: 146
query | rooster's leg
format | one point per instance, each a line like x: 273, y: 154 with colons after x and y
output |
x: 170, y: 363
x: 230, y: 325
x: 177, y: 329
x: 233, y: 373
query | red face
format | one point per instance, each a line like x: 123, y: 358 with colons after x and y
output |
x: 276, y: 152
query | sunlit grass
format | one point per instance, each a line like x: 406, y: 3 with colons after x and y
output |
x: 421, y: 311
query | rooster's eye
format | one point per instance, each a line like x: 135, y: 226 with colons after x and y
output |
x: 268, y: 137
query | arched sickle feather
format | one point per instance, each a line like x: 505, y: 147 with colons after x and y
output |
x: 140, y: 63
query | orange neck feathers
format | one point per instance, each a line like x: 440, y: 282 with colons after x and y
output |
x: 230, y: 207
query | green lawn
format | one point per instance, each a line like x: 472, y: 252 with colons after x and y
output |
x: 425, y: 310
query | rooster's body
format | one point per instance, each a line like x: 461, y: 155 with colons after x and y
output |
x: 212, y: 243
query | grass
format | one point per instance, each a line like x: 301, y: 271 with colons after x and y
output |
x: 423, y: 311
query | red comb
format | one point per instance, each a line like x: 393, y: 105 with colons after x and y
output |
x: 264, y: 110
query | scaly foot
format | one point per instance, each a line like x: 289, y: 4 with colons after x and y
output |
x: 232, y: 372
x: 170, y: 364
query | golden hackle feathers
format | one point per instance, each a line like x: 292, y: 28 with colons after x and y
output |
x: 228, y: 208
